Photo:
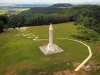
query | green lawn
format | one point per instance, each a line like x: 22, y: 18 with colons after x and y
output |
x: 60, y: 30
x: 21, y: 55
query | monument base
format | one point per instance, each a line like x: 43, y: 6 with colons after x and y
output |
x: 56, y: 49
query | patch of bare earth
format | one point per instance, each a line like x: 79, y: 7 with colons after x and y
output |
x: 75, y: 64
x: 95, y: 65
x: 66, y: 72
x: 71, y: 72
x: 11, y: 73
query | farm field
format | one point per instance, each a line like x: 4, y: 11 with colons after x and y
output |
x: 12, y: 11
x: 3, y: 11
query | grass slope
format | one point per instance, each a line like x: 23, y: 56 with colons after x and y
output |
x: 60, y: 30
x: 22, y: 56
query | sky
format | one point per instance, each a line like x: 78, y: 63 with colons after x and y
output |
x: 46, y: 1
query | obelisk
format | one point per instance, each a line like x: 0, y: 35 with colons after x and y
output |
x: 50, y: 45
x: 51, y: 48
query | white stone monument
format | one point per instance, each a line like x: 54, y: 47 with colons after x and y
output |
x: 50, y: 48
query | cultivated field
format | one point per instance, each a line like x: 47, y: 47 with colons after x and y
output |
x: 12, y: 10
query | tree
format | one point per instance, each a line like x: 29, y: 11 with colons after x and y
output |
x: 80, y: 19
x: 1, y: 26
x: 3, y: 22
x: 86, y: 21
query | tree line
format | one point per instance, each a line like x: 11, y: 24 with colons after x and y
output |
x: 87, y: 15
x: 38, y: 19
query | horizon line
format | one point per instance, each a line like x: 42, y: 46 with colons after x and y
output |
x: 49, y: 3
